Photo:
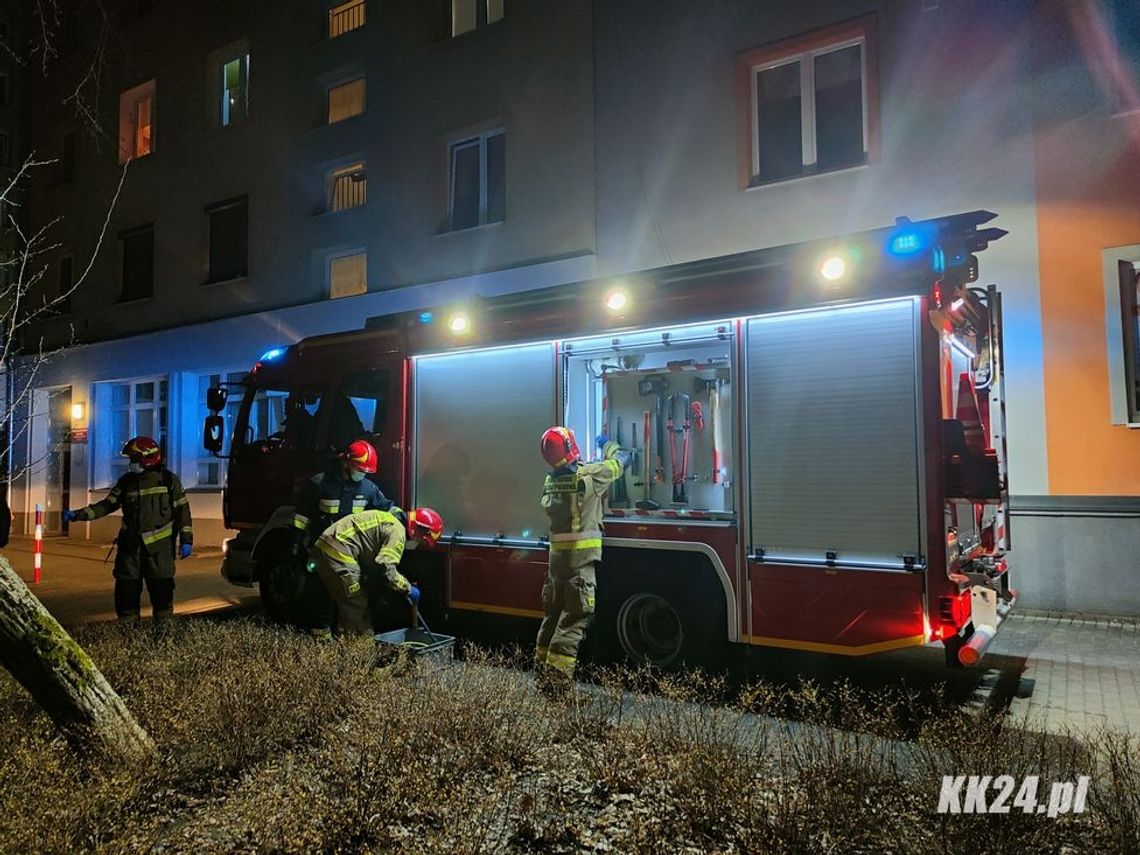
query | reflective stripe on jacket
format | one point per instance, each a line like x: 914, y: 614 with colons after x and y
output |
x: 367, y: 539
x: 328, y: 497
x: 154, y: 506
x: 574, y: 500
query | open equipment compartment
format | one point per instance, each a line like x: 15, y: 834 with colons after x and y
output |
x: 665, y: 394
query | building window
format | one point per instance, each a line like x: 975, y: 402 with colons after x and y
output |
x: 66, y: 283
x: 345, y: 17
x: 138, y: 408
x: 1129, y: 283
x: 210, y: 469
x: 235, y: 89
x: 811, y: 104
x: 477, y: 181
x: 5, y: 88
x: 229, y: 229
x: 346, y: 100
x: 138, y: 263
x: 5, y: 149
x: 67, y: 159
x: 348, y: 188
x: 348, y: 275
x: 136, y: 122
x: 467, y: 15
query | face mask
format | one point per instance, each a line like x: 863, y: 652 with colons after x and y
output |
x: 356, y: 475
x: 134, y: 467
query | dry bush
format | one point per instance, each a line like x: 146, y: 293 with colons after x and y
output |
x: 272, y: 743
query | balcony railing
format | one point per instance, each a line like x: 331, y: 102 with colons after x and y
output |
x: 346, y: 17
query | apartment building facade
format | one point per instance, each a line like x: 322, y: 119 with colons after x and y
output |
x: 512, y: 145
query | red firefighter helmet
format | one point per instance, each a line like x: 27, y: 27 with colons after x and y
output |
x: 361, y: 456
x: 558, y: 447
x: 425, y: 524
x: 144, y: 451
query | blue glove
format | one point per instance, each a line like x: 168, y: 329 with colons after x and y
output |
x: 413, y: 595
x: 70, y: 516
x: 184, y: 550
x: 602, y: 440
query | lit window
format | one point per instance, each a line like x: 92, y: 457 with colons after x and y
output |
x: 348, y: 188
x: 138, y: 263
x: 229, y: 244
x: 467, y: 15
x: 810, y: 110
x: 346, y: 100
x: 348, y: 275
x: 137, y: 408
x: 478, y: 181
x: 136, y: 122
x: 345, y: 17
x: 235, y: 89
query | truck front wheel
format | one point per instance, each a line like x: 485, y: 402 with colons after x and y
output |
x: 283, y: 583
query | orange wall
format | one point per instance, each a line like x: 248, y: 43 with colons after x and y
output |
x: 1088, y: 194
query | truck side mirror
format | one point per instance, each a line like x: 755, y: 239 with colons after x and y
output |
x: 216, y: 397
x: 212, y: 436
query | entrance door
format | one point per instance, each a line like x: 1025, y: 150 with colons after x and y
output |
x: 57, y: 464
x: 48, y: 473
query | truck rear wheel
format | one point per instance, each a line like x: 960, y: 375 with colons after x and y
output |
x: 651, y: 620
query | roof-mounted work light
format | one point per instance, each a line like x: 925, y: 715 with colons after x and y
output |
x: 833, y: 268
x: 617, y: 300
x: 459, y: 323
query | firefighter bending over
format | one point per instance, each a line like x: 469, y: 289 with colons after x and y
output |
x: 358, y: 557
x: 573, y: 497
x: 155, y: 513
x: 330, y: 496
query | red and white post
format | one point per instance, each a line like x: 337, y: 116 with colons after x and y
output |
x: 39, y: 549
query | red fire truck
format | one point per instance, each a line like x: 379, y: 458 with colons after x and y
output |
x: 818, y: 434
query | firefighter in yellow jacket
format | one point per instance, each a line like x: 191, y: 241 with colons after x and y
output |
x: 360, y: 554
x: 573, y: 497
x: 156, y: 514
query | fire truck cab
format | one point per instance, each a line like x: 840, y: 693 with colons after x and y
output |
x: 818, y: 437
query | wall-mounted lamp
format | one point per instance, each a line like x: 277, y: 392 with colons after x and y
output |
x: 78, y: 412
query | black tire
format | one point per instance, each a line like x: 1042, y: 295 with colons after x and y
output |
x: 653, y: 619
x: 286, y: 588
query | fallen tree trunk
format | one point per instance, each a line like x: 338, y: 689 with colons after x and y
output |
x: 48, y: 662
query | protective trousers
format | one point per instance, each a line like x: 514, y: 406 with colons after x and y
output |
x: 128, y: 597
x: 348, y: 590
x: 135, y: 564
x: 568, y: 604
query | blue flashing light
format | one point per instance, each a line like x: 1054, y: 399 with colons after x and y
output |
x: 939, y: 260
x: 271, y: 354
x: 905, y: 244
x: 910, y: 240
x: 426, y: 318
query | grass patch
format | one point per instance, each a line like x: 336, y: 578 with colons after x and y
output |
x: 271, y: 743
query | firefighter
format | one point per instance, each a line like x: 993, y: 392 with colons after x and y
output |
x: 156, y: 512
x: 573, y: 497
x: 358, y: 557
x: 330, y: 496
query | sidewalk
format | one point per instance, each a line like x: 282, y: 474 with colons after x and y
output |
x: 1085, y: 672
x: 77, y: 586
